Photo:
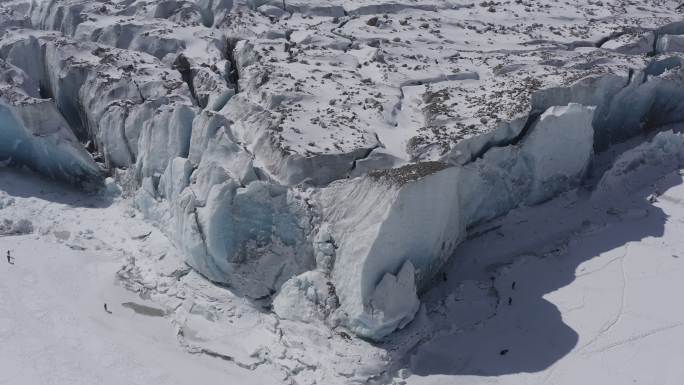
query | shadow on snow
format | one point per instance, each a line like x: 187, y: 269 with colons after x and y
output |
x: 529, y: 335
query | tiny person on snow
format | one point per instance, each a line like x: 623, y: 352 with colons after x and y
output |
x: 107, y: 310
x: 10, y: 258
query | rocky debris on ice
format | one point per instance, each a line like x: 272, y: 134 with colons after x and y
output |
x: 197, y: 52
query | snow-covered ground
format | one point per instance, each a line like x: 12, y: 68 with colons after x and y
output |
x: 53, y: 326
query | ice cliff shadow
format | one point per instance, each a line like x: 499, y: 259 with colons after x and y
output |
x: 528, y: 334
x: 27, y: 184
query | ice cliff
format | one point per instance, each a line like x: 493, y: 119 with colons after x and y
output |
x: 34, y: 134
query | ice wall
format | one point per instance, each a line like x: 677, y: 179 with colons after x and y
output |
x: 641, y: 166
x: 403, y: 222
x: 251, y: 237
x: 33, y: 133
x: 394, y: 229
x: 552, y: 158
x: 232, y: 227
x: 626, y: 107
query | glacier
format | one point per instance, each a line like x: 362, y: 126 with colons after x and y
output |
x: 314, y: 168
